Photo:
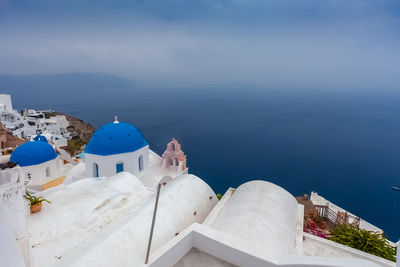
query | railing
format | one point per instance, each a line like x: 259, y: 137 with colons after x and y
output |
x: 336, y: 217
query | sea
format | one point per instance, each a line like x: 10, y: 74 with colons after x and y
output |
x: 343, y: 144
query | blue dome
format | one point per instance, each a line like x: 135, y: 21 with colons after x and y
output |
x: 40, y: 138
x: 115, y: 138
x: 33, y: 153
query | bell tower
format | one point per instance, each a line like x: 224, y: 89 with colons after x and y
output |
x: 173, y: 156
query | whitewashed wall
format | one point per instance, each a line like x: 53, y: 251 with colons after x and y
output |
x: 13, y: 209
x: 107, y: 164
x: 38, y: 172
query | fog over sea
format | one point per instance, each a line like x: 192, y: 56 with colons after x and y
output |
x: 342, y: 144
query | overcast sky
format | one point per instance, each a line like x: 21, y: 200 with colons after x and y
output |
x: 334, y: 44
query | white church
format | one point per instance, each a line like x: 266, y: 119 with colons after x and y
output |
x: 114, y: 148
x: 41, y: 165
x: 107, y: 205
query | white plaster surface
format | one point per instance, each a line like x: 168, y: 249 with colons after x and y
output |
x: 9, y: 251
x: 259, y: 224
x: 79, y: 212
x: 218, y: 208
x: 197, y: 258
x: 12, y: 202
x: 106, y: 221
x: 76, y: 173
x: 127, y: 245
x: 13, y: 211
x: 263, y: 214
x: 236, y: 251
x: 316, y: 246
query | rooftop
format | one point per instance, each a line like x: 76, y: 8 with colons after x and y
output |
x: 115, y: 138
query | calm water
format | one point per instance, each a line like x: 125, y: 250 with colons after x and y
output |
x: 343, y: 145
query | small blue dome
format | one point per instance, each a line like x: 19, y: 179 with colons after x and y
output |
x: 33, y: 153
x: 115, y: 138
x: 40, y: 138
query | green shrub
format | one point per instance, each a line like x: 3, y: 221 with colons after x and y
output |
x: 361, y: 239
x: 219, y: 196
x: 74, y: 146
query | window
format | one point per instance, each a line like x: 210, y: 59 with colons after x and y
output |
x: 120, y: 167
x: 141, y: 163
x: 48, y: 172
x: 95, y: 170
x: 28, y: 176
x: 173, y: 146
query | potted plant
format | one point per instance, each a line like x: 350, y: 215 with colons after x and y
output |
x: 35, y: 202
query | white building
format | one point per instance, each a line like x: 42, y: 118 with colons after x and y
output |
x: 41, y: 165
x: 31, y: 122
x: 56, y: 140
x: 120, y: 147
x: 114, y: 148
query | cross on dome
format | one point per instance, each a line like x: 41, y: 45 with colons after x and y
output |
x: 116, y: 119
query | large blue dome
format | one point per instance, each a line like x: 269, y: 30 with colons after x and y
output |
x: 115, y: 138
x: 33, y: 153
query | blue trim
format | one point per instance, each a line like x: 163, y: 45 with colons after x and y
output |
x: 119, y: 167
x: 96, y: 169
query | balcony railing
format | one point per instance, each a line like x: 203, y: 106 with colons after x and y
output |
x: 337, y: 217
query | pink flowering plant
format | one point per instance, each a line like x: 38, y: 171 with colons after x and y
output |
x: 312, y: 227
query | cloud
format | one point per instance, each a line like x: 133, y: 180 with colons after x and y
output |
x: 304, y: 44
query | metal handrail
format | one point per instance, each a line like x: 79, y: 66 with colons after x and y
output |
x: 327, y: 213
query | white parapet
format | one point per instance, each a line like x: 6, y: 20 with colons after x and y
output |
x: 13, y: 214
